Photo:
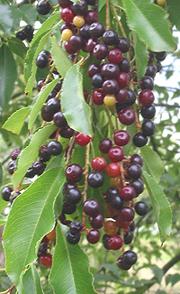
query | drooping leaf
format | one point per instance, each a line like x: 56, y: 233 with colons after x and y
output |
x: 6, y: 19
x: 15, y: 122
x: 39, y: 101
x: 32, y: 215
x: 71, y: 275
x: 152, y: 162
x: 30, y: 153
x: 161, y: 206
x: 173, y: 7
x: 30, y: 282
x: 149, y: 21
x: 75, y: 109
x: 141, y: 55
x: 8, y: 74
x: 61, y: 60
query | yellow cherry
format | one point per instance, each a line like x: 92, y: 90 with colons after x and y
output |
x: 66, y: 35
x: 109, y: 100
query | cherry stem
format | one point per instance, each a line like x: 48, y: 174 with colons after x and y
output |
x: 8, y: 291
x: 86, y: 169
x: 70, y: 150
x: 122, y: 175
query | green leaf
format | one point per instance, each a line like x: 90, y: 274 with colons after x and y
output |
x: 30, y: 153
x: 39, y: 101
x: 45, y: 28
x: 16, y: 121
x: 6, y: 19
x: 173, y: 279
x: 30, y: 282
x: 31, y: 217
x: 173, y: 7
x: 61, y: 60
x: 1, y: 173
x: 149, y: 21
x: 161, y: 206
x: 141, y: 55
x: 8, y: 75
x: 101, y: 4
x: 70, y: 270
x: 3, y: 204
x: 17, y: 47
x: 152, y: 162
x: 74, y: 107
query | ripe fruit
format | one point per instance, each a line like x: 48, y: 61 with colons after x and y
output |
x: 114, y: 243
x: 115, y: 56
x: 54, y: 148
x: 127, y: 260
x: 91, y: 17
x: 147, y: 83
x: 110, y: 87
x: 105, y: 145
x: 140, y: 140
x: 66, y: 35
x: 126, y: 116
x: 110, y: 37
x: 46, y: 260
x: 109, y: 100
x: 43, y: 7
x: 146, y: 97
x: 6, y: 193
x: 95, y: 179
x: 138, y: 186
x: 113, y: 170
x: 73, y: 196
x: 67, y: 15
x: 38, y: 167
x: 141, y: 208
x: 74, y: 173
x: 137, y: 159
x: 75, y: 226
x: 73, y: 238
x: 93, y: 236
x: 127, y: 214
x: 11, y: 167
x: 109, y: 71
x: 79, y: 8
x: 14, y: 154
x: 128, y: 237
x: 100, y: 51
x: 64, y: 3
x: 148, y: 111
x: 98, y: 164
x: 121, y: 138
x: 49, y: 109
x: 98, y: 97
x: 42, y: 60
x: 134, y: 171
x: 97, y: 222
x: 68, y: 208
x: 148, y: 128
x: 123, y: 79
x: 66, y: 132
x: 93, y: 69
x: 78, y: 21
x: 59, y: 120
x: 123, y: 45
x: 116, y: 154
x: 97, y: 81
x: 96, y: 30
x: 91, y: 208
x: 82, y: 139
x: 128, y: 193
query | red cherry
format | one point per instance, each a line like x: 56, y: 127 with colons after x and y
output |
x: 67, y: 15
x: 115, y: 56
x: 127, y: 214
x: 98, y: 163
x: 82, y: 139
x: 115, y: 243
x: 113, y: 170
x: 146, y: 97
x: 116, y: 154
x: 126, y: 116
x: 98, y: 97
x: 122, y: 96
x: 128, y: 192
x: 123, y: 79
x: 46, y: 260
x: 121, y: 138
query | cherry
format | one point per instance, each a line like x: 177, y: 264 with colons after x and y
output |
x: 134, y: 171
x: 121, y: 138
x: 11, y: 167
x: 147, y: 83
x: 160, y: 56
x: 68, y: 208
x: 124, y: 45
x: 75, y: 226
x: 46, y: 260
x: 93, y: 69
x: 66, y: 35
x: 91, y: 2
x: 115, y: 243
x: 138, y: 186
x: 43, y: 7
x: 98, y: 97
x: 141, y: 208
x: 116, y: 154
x: 73, y: 196
x: 130, y: 257
x: 123, y: 79
x: 42, y: 60
x: 110, y: 87
x: 78, y: 21
x: 146, y: 97
x: 51, y: 235
x: 105, y: 145
x: 38, y: 167
x: 122, y: 96
x: 91, y: 208
x: 49, y: 109
x: 98, y: 164
x: 96, y: 30
x: 113, y: 170
x: 140, y: 140
x: 91, y: 17
x: 93, y: 236
x: 67, y: 132
x: 100, y: 51
x: 151, y: 70
x: 137, y: 159
x: 84, y: 32
x: 128, y: 193
x: 148, y: 128
x: 148, y: 111
x: 115, y: 56
x: 95, y: 179
x: 97, y: 81
x: 97, y: 222
x: 74, y: 173
x: 113, y: 198
x: 82, y: 139
x: 126, y: 116
x: 127, y: 214
x: 109, y: 71
x: 89, y: 47
x: 54, y: 147
x: 73, y: 238
x: 15, y: 153
x: 124, y: 65
x: 65, y: 3
x: 128, y: 237
x: 6, y: 193
x: 59, y: 120
x: 75, y: 42
x: 109, y: 100
x: 79, y: 8
x: 43, y: 247
x: 110, y: 227
x: 110, y: 38
x: 67, y: 15
x: 21, y: 35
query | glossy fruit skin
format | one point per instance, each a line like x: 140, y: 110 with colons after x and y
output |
x: 73, y: 238
x: 98, y: 97
x: 21, y: 35
x: 136, y: 158
x: 66, y: 35
x: 95, y: 179
x: 49, y: 109
x: 147, y: 83
x: 44, y: 153
x: 67, y: 15
x: 14, y: 154
x: 43, y: 7
x: 93, y: 236
x: 75, y: 226
x: 74, y: 173
x: 105, y: 145
x: 138, y: 186
x: 46, y: 260
x: 140, y: 140
x: 115, y: 243
x: 134, y: 171
x: 127, y: 214
x: 148, y: 111
x: 113, y: 170
x: 82, y: 139
x: 66, y: 132
x: 128, y: 237
x: 109, y: 71
x: 110, y: 38
x: 115, y: 56
x: 11, y: 167
x: 141, y: 208
x: 75, y: 42
x: 96, y: 30
x: 109, y: 100
x: 91, y: 17
x: 100, y: 51
x: 123, y: 79
x: 91, y: 208
x: 97, y: 222
x: 151, y: 70
x: 128, y: 193
x: 110, y: 87
x: 42, y: 60
x: 89, y: 46
x: 126, y: 116
x: 97, y: 81
x: 148, y: 128
x: 59, y: 120
x: 110, y: 227
x: 55, y: 148
x: 84, y: 32
x: 68, y: 208
x: 78, y: 21
x: 146, y: 97
x: 127, y: 260
x: 116, y: 154
x: 122, y: 96
x: 93, y: 69
x: 6, y: 193
x: 79, y: 8
x: 38, y: 167
x: 73, y: 196
x: 124, y: 45
x: 113, y: 198
x: 160, y: 56
x: 124, y: 65
x: 98, y: 164
x: 121, y: 138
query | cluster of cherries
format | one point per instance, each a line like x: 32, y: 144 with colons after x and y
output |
x: 25, y: 33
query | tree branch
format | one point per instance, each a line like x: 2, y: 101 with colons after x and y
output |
x: 167, y: 105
